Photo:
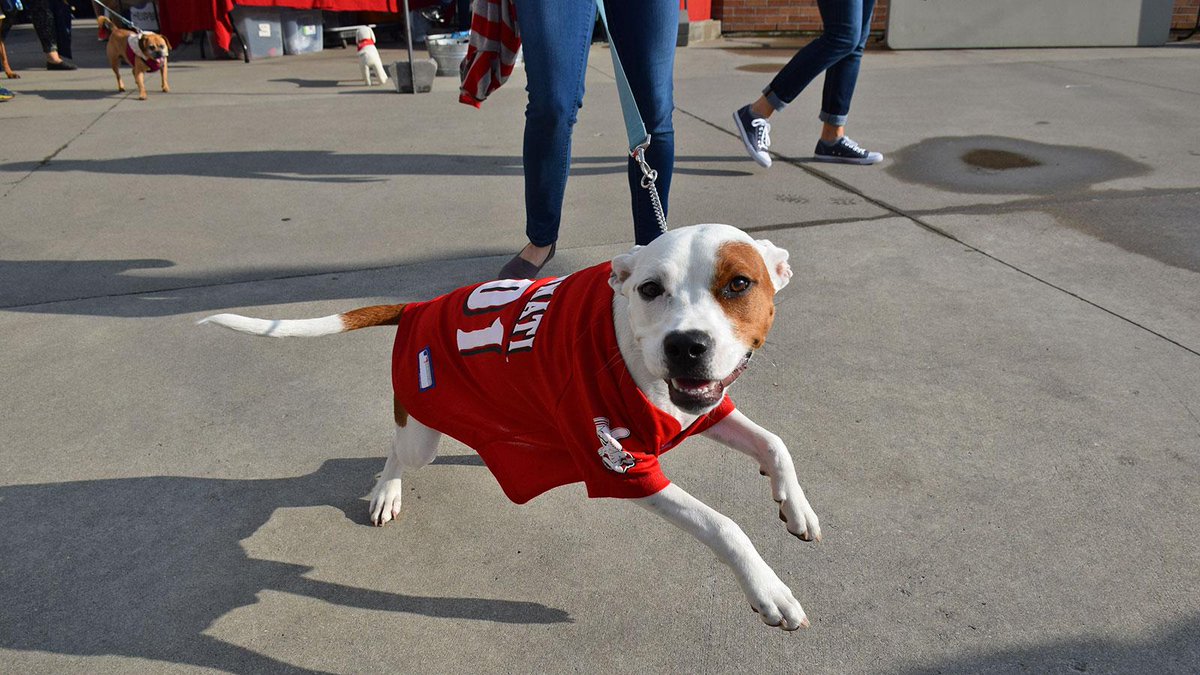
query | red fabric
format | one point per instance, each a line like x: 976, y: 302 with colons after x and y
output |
x: 177, y: 17
x: 390, y: 6
x: 529, y: 375
x: 365, y: 43
x: 492, y: 50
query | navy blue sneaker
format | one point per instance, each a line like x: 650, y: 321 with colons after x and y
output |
x: 845, y: 151
x: 756, y: 135
x: 5, y: 94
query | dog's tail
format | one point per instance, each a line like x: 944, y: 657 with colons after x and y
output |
x: 364, y: 317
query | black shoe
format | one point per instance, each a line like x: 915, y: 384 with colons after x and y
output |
x: 520, y: 268
x: 845, y: 151
x: 61, y: 65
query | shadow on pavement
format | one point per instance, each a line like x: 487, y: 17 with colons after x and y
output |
x: 1174, y: 650
x: 327, y: 166
x: 141, y: 567
x: 86, y: 287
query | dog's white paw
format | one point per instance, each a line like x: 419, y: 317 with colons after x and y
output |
x: 800, y: 519
x: 774, y: 603
x: 385, y: 501
x: 794, y: 509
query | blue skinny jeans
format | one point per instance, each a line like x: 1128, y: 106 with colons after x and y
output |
x: 556, y: 35
x: 837, y: 53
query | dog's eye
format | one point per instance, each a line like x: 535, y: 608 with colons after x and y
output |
x: 738, y: 286
x: 650, y: 290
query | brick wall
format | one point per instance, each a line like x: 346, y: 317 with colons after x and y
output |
x: 1185, y: 14
x: 783, y: 15
x: 802, y: 15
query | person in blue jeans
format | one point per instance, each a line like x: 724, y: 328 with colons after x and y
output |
x: 837, y: 53
x: 556, y: 36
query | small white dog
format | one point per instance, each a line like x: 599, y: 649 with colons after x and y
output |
x: 368, y: 56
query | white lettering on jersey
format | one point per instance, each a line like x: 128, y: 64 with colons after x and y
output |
x: 525, y: 330
x: 493, y: 294
x: 482, y: 340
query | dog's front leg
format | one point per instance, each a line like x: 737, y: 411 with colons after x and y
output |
x: 165, y: 87
x: 139, y: 78
x: 767, y: 593
x: 774, y: 461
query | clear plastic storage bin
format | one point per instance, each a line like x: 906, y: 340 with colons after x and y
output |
x: 303, y: 31
x: 260, y: 30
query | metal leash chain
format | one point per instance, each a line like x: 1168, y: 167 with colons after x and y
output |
x: 648, y: 177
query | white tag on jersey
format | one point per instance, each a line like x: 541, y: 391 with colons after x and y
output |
x: 425, y: 369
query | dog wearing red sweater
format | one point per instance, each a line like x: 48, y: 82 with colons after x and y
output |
x: 589, y: 378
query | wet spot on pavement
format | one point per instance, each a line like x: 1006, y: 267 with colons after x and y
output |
x: 1001, y: 165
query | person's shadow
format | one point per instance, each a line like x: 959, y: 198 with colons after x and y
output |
x: 141, y: 567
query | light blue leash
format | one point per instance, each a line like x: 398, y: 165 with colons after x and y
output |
x: 635, y: 128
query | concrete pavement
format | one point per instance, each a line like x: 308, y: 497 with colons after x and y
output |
x: 989, y: 377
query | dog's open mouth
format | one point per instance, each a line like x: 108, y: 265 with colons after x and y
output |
x: 693, y: 395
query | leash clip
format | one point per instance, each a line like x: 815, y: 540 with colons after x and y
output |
x: 638, y: 154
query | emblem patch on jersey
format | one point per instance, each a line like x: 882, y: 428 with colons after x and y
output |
x: 611, y: 453
x: 425, y: 370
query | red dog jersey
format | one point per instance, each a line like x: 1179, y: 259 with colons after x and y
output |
x: 528, y: 373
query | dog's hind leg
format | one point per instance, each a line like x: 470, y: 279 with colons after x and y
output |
x: 366, y: 71
x: 414, y: 446
x: 115, y: 63
x: 381, y: 73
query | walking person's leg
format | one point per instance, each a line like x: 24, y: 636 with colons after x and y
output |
x: 62, y: 27
x: 644, y: 33
x: 840, y: 81
x: 843, y: 29
x: 556, y: 35
x: 42, y: 18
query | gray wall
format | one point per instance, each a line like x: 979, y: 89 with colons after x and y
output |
x: 937, y: 24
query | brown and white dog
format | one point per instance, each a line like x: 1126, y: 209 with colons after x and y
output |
x: 687, y: 310
x: 145, y: 52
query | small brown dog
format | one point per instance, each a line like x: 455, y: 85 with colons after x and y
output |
x: 146, y: 52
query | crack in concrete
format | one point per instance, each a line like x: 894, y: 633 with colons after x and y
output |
x: 48, y: 158
x: 916, y: 219
x: 1043, y: 203
x: 913, y: 216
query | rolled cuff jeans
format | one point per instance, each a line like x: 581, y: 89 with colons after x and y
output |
x: 837, y: 53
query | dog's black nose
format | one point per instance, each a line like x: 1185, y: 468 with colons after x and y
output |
x: 686, y: 349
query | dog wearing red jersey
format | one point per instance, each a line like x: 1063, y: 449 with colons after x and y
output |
x: 589, y: 378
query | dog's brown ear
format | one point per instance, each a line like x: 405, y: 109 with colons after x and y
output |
x: 622, y: 267
x: 776, y: 260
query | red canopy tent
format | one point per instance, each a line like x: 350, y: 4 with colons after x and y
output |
x: 177, y: 17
